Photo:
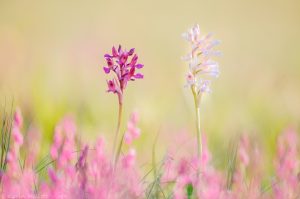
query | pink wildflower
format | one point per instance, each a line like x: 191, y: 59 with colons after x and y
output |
x: 17, y: 136
x: 18, y: 119
x: 246, y: 182
x: 132, y: 132
x: 129, y: 159
x: 81, y: 167
x: 287, y: 166
x: 124, y: 69
x: 64, y: 142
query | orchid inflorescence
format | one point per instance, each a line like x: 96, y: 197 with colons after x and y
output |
x: 201, y: 66
x: 124, y: 69
x: 201, y: 69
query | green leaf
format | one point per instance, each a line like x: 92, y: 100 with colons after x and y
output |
x: 189, y: 191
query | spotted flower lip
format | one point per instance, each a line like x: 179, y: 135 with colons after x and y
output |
x: 124, y: 64
x: 112, y: 86
x: 201, y: 66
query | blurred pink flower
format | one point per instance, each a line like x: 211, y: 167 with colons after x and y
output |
x: 17, y: 136
x: 132, y: 132
x: 18, y: 119
x: 129, y: 159
x: 287, y: 184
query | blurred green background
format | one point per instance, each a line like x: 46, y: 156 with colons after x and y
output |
x: 51, y: 58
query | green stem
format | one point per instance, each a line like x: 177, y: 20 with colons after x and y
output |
x: 119, y: 150
x: 197, y: 107
x: 118, y: 127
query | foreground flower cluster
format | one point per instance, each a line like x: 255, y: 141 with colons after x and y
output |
x: 76, y: 170
x: 73, y: 170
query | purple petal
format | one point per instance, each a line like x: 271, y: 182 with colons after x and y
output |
x: 131, y: 51
x: 139, y: 66
x: 139, y: 76
x: 106, y: 70
x: 114, y: 52
x: 135, y: 58
x: 133, y: 61
x: 131, y: 72
x: 107, y: 56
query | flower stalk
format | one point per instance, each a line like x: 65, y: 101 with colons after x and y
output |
x: 197, y: 100
x: 118, y: 126
x: 201, y: 70
x: 124, y: 70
